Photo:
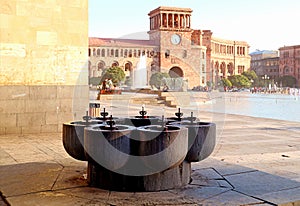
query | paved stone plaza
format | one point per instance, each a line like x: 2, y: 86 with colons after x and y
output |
x: 255, y: 162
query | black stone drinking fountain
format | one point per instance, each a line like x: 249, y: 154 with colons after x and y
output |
x: 141, y: 153
x: 73, y: 136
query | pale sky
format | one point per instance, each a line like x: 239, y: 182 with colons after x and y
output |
x: 264, y: 24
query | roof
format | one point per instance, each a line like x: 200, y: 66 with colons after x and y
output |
x: 170, y: 9
x: 264, y: 52
x: 96, y: 41
x: 289, y: 47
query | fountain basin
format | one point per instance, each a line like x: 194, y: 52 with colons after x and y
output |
x: 139, y: 121
x: 201, y: 139
x: 166, y: 145
x: 108, y: 146
x: 73, y: 138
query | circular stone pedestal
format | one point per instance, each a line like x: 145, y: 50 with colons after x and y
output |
x: 175, y: 177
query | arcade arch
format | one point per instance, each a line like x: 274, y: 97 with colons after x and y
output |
x: 115, y: 64
x: 128, y: 69
x: 175, y: 72
x: 230, y: 68
x: 100, y: 65
x: 223, y: 69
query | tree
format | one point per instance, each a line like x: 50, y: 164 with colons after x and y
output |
x: 226, y: 82
x: 239, y: 81
x: 156, y: 79
x: 116, y: 74
x: 251, y: 75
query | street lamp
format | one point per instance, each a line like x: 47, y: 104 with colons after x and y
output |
x: 265, y: 78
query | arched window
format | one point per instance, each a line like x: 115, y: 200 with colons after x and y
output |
x: 117, y: 53
x: 103, y: 53
x: 230, y: 68
x: 115, y: 64
x: 125, y: 53
x: 101, y: 66
x: 98, y: 52
x: 127, y: 67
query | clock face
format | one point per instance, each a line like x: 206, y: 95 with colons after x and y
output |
x: 175, y: 39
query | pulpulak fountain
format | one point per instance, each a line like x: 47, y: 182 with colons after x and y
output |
x: 139, y: 153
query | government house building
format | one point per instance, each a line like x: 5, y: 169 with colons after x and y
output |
x: 173, y: 47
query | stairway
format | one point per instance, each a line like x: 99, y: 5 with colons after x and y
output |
x: 155, y: 101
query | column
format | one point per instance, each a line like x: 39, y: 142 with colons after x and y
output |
x: 167, y: 16
x: 173, y: 21
x: 159, y: 20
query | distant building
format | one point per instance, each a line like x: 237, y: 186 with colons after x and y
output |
x: 173, y: 47
x: 265, y: 62
x: 289, y: 62
x: 225, y: 57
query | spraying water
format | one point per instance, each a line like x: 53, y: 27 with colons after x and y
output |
x: 140, y: 74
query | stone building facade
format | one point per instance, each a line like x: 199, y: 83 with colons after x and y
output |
x: 125, y: 53
x: 43, y: 64
x: 289, y: 62
x: 265, y: 62
x: 225, y: 57
x: 175, y: 48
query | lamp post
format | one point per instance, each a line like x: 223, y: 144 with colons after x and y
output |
x: 265, y: 78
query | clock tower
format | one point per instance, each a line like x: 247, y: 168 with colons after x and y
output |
x: 172, y: 24
x: 170, y: 30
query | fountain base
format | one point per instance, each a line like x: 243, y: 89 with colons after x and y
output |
x: 174, y: 177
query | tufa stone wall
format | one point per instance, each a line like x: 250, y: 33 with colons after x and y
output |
x: 43, y: 64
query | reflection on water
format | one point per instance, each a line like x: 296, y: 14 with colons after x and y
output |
x: 274, y: 106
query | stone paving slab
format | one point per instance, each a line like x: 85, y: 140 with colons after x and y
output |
x: 255, y: 162
x: 257, y: 184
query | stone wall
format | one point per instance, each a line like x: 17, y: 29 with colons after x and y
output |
x: 43, y: 64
